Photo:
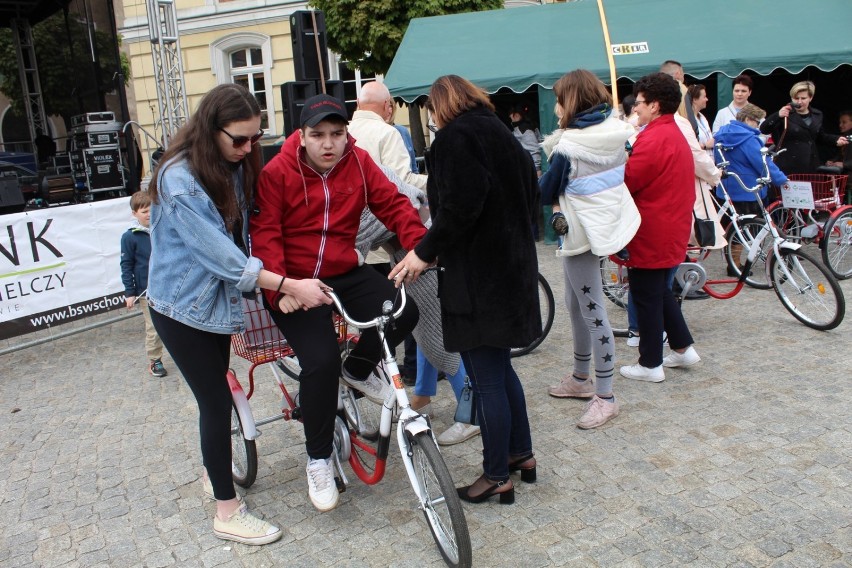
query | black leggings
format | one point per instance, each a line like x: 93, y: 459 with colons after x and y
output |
x: 311, y: 335
x: 202, y: 358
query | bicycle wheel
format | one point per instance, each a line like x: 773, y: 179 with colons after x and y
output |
x: 837, y: 245
x: 615, y: 283
x: 547, y: 305
x: 243, y: 453
x: 360, y: 413
x: 810, y: 293
x: 789, y: 222
x: 440, y: 502
x: 736, y: 253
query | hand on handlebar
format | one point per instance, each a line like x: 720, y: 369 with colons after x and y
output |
x: 304, y: 294
x: 409, y: 269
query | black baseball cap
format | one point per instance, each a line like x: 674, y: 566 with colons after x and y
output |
x: 320, y: 107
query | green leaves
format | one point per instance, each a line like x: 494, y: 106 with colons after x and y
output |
x: 367, y: 33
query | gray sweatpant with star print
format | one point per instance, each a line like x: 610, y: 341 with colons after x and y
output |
x: 590, y: 326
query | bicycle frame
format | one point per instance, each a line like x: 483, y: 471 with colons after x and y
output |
x: 769, y: 228
x: 410, y: 422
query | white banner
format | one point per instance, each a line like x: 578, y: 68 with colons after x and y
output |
x: 60, y: 264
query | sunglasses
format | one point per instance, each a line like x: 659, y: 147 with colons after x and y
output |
x: 240, y: 141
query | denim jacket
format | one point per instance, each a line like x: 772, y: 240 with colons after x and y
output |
x: 197, y: 273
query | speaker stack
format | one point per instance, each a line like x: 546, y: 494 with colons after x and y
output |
x: 310, y: 60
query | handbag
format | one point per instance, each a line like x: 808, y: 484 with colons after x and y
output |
x: 705, y: 229
x: 466, y: 409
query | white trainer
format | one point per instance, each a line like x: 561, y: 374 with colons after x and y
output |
x: 321, y: 486
x: 373, y: 387
x: 242, y: 526
x: 457, y: 433
x: 639, y: 373
x: 685, y: 359
x: 632, y: 338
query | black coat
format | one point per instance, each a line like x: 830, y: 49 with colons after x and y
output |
x: 481, y: 188
x: 800, y: 141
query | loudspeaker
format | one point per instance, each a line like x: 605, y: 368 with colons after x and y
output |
x: 305, y: 38
x: 293, y: 97
x: 333, y: 88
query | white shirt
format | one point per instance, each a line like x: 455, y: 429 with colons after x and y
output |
x: 385, y: 145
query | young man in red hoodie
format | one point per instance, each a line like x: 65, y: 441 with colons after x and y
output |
x: 308, y: 207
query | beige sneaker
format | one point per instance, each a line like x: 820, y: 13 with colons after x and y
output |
x: 244, y: 527
x: 597, y: 413
x: 570, y: 388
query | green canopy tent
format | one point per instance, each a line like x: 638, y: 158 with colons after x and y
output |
x: 518, y: 48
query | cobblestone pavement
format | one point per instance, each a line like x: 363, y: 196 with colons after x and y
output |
x: 741, y: 460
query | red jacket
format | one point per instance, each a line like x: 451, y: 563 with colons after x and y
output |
x: 660, y: 174
x: 306, y: 223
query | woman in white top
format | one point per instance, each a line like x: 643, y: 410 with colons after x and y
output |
x: 698, y: 94
x: 742, y: 87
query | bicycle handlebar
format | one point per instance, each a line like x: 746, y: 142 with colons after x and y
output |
x: 763, y: 181
x: 387, y: 311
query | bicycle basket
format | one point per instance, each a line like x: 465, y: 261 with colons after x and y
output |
x: 828, y: 189
x: 262, y: 341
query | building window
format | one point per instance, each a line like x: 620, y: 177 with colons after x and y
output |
x: 246, y: 59
x: 352, y: 81
x: 247, y: 70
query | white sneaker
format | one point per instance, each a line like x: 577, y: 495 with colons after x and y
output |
x: 639, y: 373
x: 244, y: 527
x: 685, y: 359
x: 632, y: 338
x: 457, y: 433
x: 373, y: 387
x: 321, y: 486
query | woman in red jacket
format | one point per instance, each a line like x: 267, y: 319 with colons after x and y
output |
x: 660, y: 175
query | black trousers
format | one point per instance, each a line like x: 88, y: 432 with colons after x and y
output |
x: 657, y: 310
x: 311, y: 335
x: 203, y: 358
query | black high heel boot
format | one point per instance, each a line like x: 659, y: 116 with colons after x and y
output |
x: 526, y: 465
x: 507, y: 496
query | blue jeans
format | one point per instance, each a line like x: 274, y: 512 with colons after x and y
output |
x: 427, y: 377
x: 501, y: 409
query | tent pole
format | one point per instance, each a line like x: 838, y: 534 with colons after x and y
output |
x: 609, y: 56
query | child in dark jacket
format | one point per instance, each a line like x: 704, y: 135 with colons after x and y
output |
x: 135, y: 252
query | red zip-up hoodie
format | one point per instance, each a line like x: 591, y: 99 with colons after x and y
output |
x: 306, y: 222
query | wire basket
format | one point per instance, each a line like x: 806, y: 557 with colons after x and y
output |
x: 262, y: 341
x: 828, y: 189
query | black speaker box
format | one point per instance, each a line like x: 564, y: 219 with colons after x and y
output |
x: 293, y: 97
x: 305, y: 38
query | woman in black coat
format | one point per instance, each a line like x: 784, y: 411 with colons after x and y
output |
x: 798, y: 129
x: 482, y: 186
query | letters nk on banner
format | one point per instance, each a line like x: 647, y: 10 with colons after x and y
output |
x: 60, y: 264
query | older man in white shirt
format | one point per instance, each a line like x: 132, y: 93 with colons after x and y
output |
x: 369, y: 126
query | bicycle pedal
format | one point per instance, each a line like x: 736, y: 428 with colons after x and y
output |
x: 341, y: 487
x: 296, y: 413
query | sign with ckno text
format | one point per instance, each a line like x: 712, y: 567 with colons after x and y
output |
x: 630, y: 48
x: 60, y: 264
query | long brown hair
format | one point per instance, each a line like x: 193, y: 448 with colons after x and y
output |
x: 196, y: 141
x: 577, y: 91
x: 452, y: 95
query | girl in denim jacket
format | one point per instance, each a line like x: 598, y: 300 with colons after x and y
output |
x: 199, y: 268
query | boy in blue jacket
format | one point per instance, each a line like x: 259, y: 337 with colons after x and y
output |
x: 135, y: 252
